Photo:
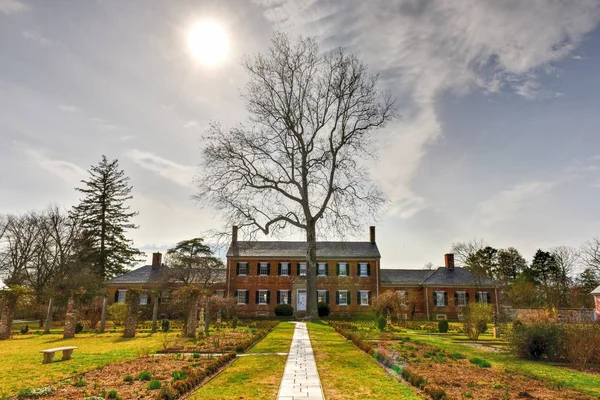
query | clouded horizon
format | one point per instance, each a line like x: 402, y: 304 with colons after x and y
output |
x: 500, y: 102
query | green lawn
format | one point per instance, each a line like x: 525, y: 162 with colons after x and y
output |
x: 558, y: 374
x: 256, y: 376
x: 21, y: 361
x: 348, y: 373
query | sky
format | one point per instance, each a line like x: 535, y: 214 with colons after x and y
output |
x: 499, y: 135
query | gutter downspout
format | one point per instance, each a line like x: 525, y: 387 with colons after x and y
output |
x: 228, y: 275
x: 496, y: 295
x: 427, y: 301
x: 377, y: 276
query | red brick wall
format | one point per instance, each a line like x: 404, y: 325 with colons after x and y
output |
x: 274, y: 282
x: 597, y: 302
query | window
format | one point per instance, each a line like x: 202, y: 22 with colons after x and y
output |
x: 322, y: 296
x: 284, y: 297
x: 263, y: 297
x: 440, y: 299
x: 284, y: 268
x: 402, y: 297
x: 220, y: 293
x: 343, y: 297
x: 263, y: 268
x: 164, y: 297
x: 143, y: 299
x: 121, y: 296
x: 482, y: 297
x: 440, y: 317
x: 242, y: 296
x: 363, y: 269
x: 302, y: 269
x: 461, y: 299
x: 364, y: 297
x: 343, y: 269
x: 322, y: 269
x: 243, y: 268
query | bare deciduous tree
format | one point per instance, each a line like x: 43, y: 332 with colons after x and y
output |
x: 590, y: 253
x: 463, y: 250
x: 299, y: 163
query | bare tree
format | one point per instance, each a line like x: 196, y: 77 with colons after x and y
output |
x: 299, y: 163
x: 463, y: 250
x: 590, y: 253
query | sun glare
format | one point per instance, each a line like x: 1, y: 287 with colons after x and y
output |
x: 208, y: 43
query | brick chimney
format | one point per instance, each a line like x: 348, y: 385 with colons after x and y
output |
x: 372, y: 234
x: 449, y: 260
x: 234, y: 234
x: 156, y: 259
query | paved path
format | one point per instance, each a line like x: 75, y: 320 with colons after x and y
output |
x: 300, y: 377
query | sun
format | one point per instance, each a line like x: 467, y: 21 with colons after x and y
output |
x: 208, y: 43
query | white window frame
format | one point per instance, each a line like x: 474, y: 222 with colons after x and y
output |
x: 319, y: 265
x: 364, y: 295
x: 441, y: 317
x: 345, y: 292
x: 460, y: 303
x: 345, y: 267
x: 245, y: 265
x: 287, y: 298
x: 122, y: 299
x: 402, y: 297
x: 262, y: 265
x: 483, y: 297
x: 287, y: 268
x: 324, y: 293
x: 303, y: 265
x: 240, y: 291
x: 260, y: 293
x: 143, y: 299
x: 440, y: 295
x: 360, y: 269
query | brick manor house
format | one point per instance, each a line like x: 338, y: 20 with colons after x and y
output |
x: 262, y: 274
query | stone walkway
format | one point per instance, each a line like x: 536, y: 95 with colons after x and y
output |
x: 300, y: 377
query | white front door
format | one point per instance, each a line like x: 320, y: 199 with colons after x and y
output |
x: 301, y: 306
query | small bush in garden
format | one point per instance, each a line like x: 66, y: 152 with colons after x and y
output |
x: 473, y: 315
x: 78, y: 327
x: 154, y: 385
x: 284, y: 310
x: 179, y: 375
x: 457, y: 356
x: 482, y: 326
x: 538, y: 340
x: 443, y: 326
x: 480, y: 362
x: 80, y: 382
x: 24, y: 329
x: 93, y: 398
x: 118, y: 313
x: 414, y: 379
x: 467, y: 395
x: 29, y: 392
x: 581, y: 344
x: 381, y: 323
x: 436, y: 393
x: 195, y: 355
x: 497, y: 385
x: 144, y: 376
x: 323, y: 309
x: 165, y: 325
x: 167, y: 393
x: 128, y: 378
x: 113, y: 394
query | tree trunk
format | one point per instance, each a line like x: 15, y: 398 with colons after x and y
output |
x: 49, y: 316
x: 6, y: 320
x: 103, y: 315
x: 192, y: 319
x: 207, y: 316
x: 155, y: 314
x: 133, y: 303
x: 311, y: 272
x: 70, y: 319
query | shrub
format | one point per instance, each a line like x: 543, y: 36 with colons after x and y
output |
x: 457, y: 356
x: 443, y: 326
x: 538, y: 340
x: 144, y: 376
x: 480, y: 362
x: 93, y: 398
x: 128, y: 378
x: 323, y: 309
x: 284, y: 310
x: 436, y: 393
x: 581, y: 344
x: 381, y: 323
x: 165, y: 325
x: 414, y: 379
x: 113, y: 394
x: 39, y: 392
x: 195, y: 355
x: 474, y: 316
x: 118, y: 313
x: 167, y: 393
x: 154, y: 385
x: 179, y: 375
x: 80, y: 382
x: 78, y: 327
x: 481, y: 326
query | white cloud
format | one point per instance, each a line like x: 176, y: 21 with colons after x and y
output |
x: 104, y: 124
x: 13, y: 6
x: 37, y: 37
x: 70, y: 108
x: 178, y: 173
x: 190, y: 124
x: 65, y: 170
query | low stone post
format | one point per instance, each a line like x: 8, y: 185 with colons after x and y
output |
x: 49, y: 316
x: 103, y: 315
x: 133, y: 304
x: 70, y: 319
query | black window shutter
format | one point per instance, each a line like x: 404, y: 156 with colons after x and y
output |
x: 477, y: 297
x: 237, y: 268
x: 326, y: 269
x: 467, y: 297
x: 327, y: 297
x: 337, y: 295
x: 368, y: 269
x: 247, y: 297
x: 278, y: 297
x: 116, y: 296
x: 149, y: 299
x: 237, y: 295
x: 489, y: 298
x: 268, y: 297
x: 455, y: 298
x: 257, y: 297
x: 268, y: 268
x: 279, y: 269
x: 289, y: 299
x: 337, y: 271
x: 298, y: 269
x: 445, y: 298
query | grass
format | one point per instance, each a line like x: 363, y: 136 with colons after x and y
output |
x: 22, y: 366
x: 253, y: 377
x: 557, y: 374
x: 348, y: 373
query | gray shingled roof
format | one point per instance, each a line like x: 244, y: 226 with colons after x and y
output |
x: 596, y: 291
x: 404, y: 276
x: 145, y: 274
x: 340, y: 250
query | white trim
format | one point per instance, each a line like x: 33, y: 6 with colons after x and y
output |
x: 300, y: 264
x: 287, y: 264
x: 340, y: 298
x: 361, y: 297
x: 377, y: 275
x: 320, y: 263
x: 124, y: 299
x: 260, y: 267
x: 427, y: 301
x: 143, y: 299
x: 247, y: 268
x: 346, y: 269
x: 238, y: 297
x: 288, y: 300
x: 324, y: 291
x: 360, y: 265
x: 444, y: 317
x: 266, y: 300
x: 464, y: 293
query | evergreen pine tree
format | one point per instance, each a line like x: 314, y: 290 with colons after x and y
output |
x: 105, y: 218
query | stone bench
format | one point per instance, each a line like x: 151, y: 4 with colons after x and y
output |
x: 49, y: 353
